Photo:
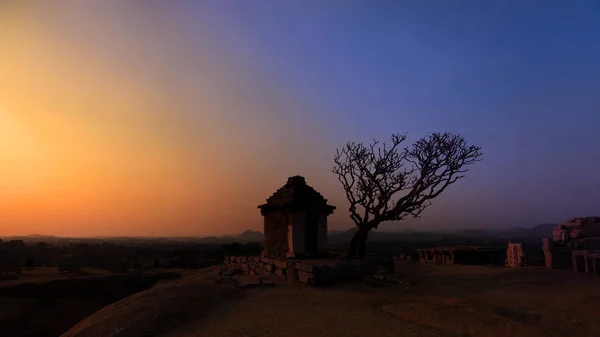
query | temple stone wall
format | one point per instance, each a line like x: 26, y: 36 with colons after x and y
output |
x: 276, y: 234
x: 323, y: 243
x: 295, y: 220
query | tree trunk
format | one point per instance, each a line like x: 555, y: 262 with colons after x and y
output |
x: 358, y: 244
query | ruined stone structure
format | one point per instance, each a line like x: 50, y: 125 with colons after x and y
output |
x: 578, y: 233
x: 317, y: 271
x: 556, y: 256
x: 462, y: 255
x: 295, y: 221
x: 574, y: 244
x: 515, y: 256
x: 586, y: 261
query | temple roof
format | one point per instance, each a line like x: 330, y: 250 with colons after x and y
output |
x: 296, y: 193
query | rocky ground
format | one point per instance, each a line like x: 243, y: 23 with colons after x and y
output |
x: 45, y: 303
x: 443, y: 301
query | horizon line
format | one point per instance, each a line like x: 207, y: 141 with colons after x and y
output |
x: 229, y: 235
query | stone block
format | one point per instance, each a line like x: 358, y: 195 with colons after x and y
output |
x: 280, y: 271
x: 309, y: 268
x: 305, y: 277
x: 242, y: 259
x: 379, y: 277
x: 260, y: 265
x: 392, y: 278
x: 270, y: 268
x: 267, y: 260
x: 280, y: 263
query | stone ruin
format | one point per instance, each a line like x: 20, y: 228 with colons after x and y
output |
x: 314, y: 271
x: 295, y: 242
x: 574, y: 244
x: 295, y: 221
x: 515, y: 256
x: 578, y: 233
x: 473, y: 255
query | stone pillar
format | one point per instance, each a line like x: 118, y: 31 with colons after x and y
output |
x: 597, y: 265
x: 589, y: 264
x: 291, y: 245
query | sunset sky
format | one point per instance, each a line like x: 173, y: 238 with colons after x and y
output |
x: 164, y: 118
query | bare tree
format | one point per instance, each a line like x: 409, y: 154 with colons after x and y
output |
x: 388, y: 183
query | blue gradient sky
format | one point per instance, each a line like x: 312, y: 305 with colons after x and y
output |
x: 239, y: 95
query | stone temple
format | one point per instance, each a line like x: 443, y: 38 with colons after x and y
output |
x: 295, y: 221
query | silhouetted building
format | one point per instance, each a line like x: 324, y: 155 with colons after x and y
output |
x: 295, y: 221
x: 578, y: 233
x: 463, y: 255
x: 574, y: 244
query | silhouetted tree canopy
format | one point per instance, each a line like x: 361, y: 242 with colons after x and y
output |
x: 385, y: 182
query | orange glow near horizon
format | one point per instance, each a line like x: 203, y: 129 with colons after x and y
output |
x: 93, y: 143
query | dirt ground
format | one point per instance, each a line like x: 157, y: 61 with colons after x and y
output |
x: 476, y: 301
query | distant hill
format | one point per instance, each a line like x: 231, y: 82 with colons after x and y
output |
x: 515, y: 234
x: 407, y: 235
x: 250, y: 236
x: 33, y: 237
x: 539, y: 231
x: 335, y: 237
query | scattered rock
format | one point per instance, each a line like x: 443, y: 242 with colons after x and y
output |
x: 392, y: 278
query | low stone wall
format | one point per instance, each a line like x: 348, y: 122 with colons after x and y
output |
x: 325, y: 271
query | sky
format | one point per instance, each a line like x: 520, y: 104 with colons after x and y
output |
x: 169, y: 118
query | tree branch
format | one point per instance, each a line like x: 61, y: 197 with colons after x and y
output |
x: 388, y: 183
